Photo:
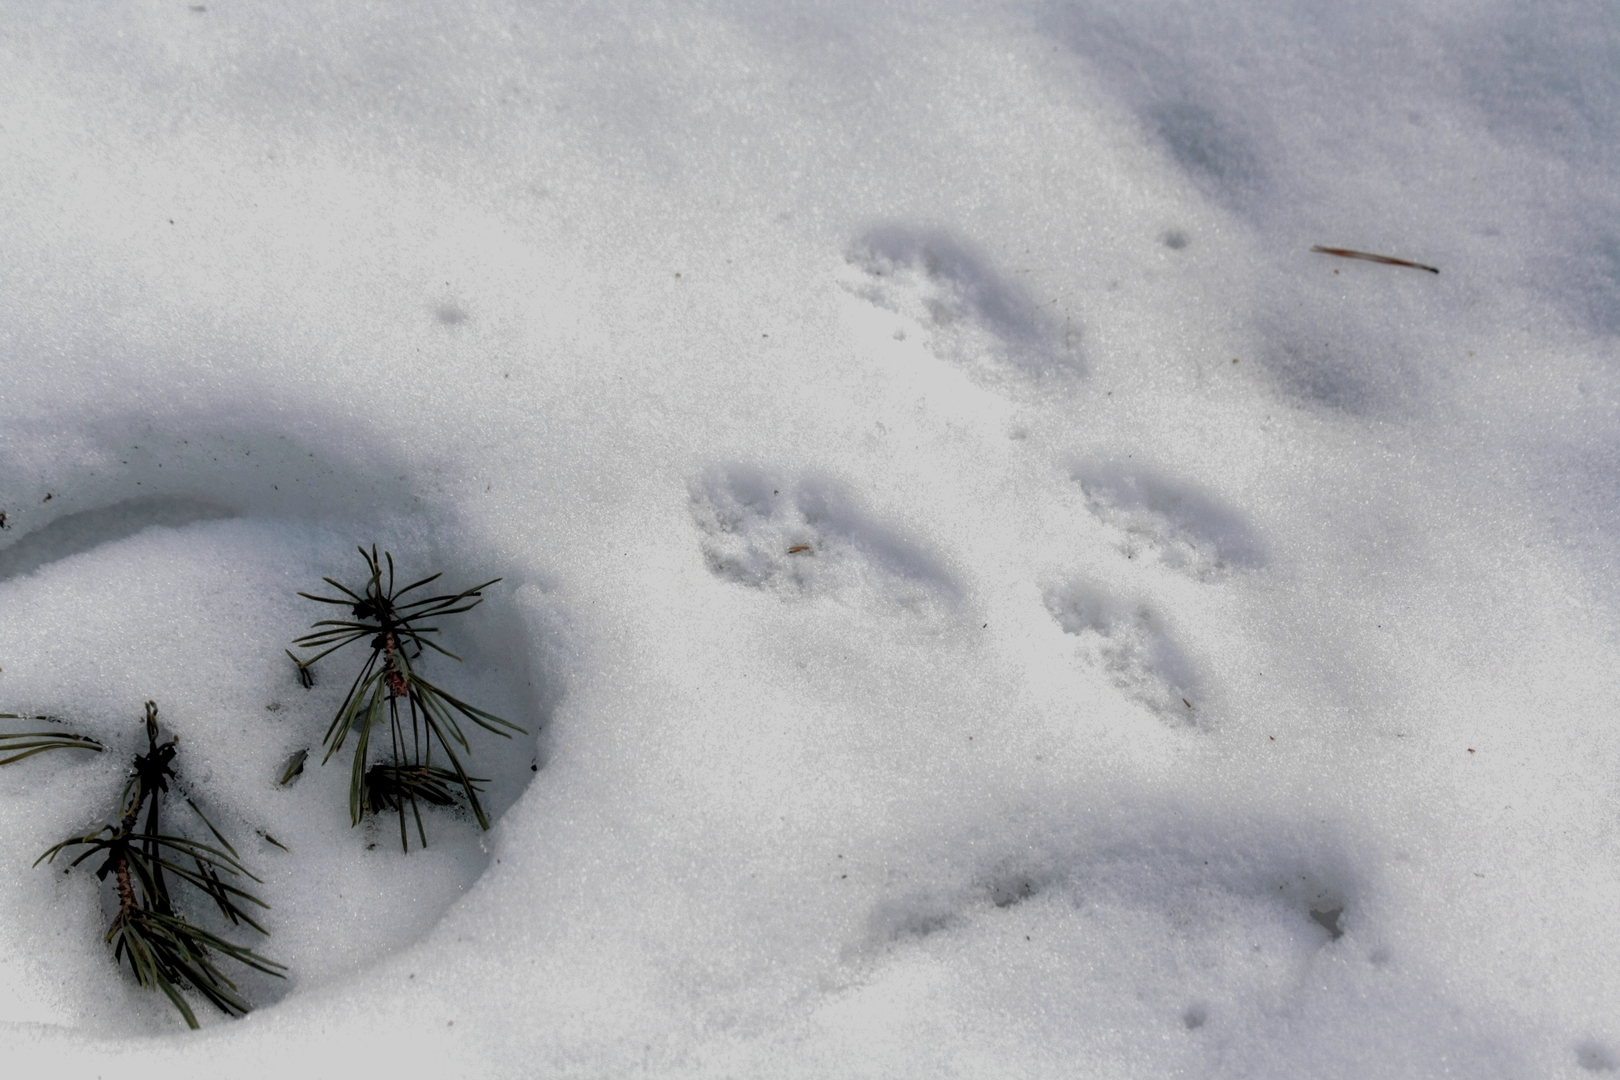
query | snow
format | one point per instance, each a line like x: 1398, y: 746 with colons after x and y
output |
x: 987, y: 598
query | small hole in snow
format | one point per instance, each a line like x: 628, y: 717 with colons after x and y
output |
x: 1594, y: 1058
x: 1012, y: 891
x: 1329, y: 919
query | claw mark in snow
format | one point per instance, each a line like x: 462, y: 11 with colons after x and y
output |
x: 971, y: 315
x: 1130, y: 643
x: 1168, y: 521
x: 806, y: 536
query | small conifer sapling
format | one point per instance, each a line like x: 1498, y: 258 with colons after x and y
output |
x: 390, y: 698
x: 148, y: 860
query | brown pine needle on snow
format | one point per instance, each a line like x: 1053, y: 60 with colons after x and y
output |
x: 1346, y: 253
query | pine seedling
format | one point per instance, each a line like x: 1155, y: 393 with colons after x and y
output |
x: 421, y: 720
x: 165, y: 949
x: 25, y: 744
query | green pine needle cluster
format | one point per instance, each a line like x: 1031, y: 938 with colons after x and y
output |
x: 390, y: 699
x: 165, y: 949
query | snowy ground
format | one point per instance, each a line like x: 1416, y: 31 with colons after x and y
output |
x: 990, y: 600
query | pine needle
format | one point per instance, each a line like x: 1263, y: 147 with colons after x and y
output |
x: 165, y: 949
x: 1367, y: 256
x: 25, y: 744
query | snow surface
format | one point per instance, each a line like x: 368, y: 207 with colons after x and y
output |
x: 989, y: 599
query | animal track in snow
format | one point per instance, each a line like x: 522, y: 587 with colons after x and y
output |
x: 1168, y: 521
x: 807, y: 537
x: 1130, y: 643
x: 1229, y: 902
x: 971, y: 315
